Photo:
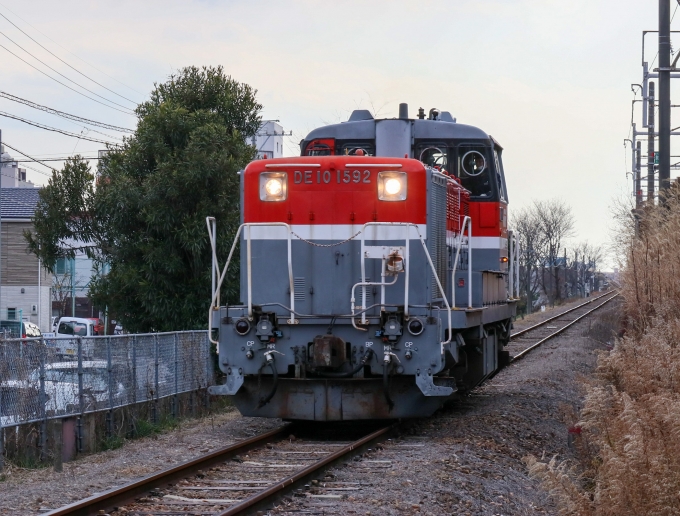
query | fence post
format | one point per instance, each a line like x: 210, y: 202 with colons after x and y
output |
x: 42, y: 400
x: 81, y: 399
x: 175, y: 412
x: 194, y: 387
x: 109, y: 369
x: 208, y: 367
x: 134, y: 383
x: 154, y: 414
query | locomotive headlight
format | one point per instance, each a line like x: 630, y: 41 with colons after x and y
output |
x: 273, y: 186
x: 392, y: 186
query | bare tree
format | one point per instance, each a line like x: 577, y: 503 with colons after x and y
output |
x: 530, y: 240
x: 584, y: 265
x: 556, y: 224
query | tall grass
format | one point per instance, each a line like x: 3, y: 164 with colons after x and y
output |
x: 630, y: 422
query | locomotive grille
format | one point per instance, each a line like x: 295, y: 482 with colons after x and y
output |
x: 299, y: 284
x: 437, y: 234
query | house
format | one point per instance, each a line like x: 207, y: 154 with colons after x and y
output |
x: 25, y: 285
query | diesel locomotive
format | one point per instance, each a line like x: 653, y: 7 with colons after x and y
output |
x: 378, y: 274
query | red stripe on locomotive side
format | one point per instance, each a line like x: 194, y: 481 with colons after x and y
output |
x: 334, y: 193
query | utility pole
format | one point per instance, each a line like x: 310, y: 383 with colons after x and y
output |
x: 664, y: 96
x: 650, y: 145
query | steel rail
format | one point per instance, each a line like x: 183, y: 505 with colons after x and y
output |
x: 119, y: 496
x: 542, y: 323
x: 269, y: 495
x: 522, y: 354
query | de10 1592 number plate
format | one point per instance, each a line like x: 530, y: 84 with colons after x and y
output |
x: 326, y: 177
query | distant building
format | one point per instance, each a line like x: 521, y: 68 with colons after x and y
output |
x: 12, y: 176
x: 25, y: 285
x: 269, y: 140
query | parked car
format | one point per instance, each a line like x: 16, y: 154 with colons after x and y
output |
x: 61, y: 387
x: 69, y: 327
x: 14, y: 329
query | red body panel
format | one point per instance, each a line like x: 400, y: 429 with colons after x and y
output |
x: 330, y: 194
x: 489, y: 219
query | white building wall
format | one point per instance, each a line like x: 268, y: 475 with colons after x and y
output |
x: 269, y: 140
x: 12, y: 297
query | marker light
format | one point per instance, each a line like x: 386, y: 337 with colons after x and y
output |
x: 392, y: 186
x: 273, y: 186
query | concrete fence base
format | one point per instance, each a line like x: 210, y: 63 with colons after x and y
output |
x: 55, y: 441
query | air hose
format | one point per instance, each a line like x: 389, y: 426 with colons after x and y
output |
x: 275, y: 376
x: 386, y: 386
x: 351, y: 373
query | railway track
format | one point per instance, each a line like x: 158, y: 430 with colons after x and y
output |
x: 524, y: 341
x: 237, y: 479
x: 256, y: 472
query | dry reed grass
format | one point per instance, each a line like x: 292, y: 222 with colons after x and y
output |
x: 629, y: 446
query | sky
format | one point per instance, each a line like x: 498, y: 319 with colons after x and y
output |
x: 550, y: 80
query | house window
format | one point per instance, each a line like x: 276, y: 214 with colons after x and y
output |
x: 63, y: 266
x: 12, y: 314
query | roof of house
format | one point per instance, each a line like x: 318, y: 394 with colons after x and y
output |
x: 18, y: 203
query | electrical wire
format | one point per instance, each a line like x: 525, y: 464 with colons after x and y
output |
x: 62, y: 114
x: 29, y: 157
x: 60, y: 59
x: 65, y: 85
x: 80, y: 59
x: 61, y: 131
x: 61, y: 74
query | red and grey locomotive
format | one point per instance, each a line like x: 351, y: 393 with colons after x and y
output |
x: 376, y: 277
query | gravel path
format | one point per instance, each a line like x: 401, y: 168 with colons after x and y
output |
x: 467, y: 459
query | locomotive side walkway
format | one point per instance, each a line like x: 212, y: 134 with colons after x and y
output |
x: 470, y: 461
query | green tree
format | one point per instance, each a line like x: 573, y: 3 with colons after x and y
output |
x: 144, y: 223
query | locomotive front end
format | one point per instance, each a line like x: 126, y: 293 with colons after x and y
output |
x: 346, y: 283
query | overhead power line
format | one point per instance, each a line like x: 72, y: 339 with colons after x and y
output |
x: 60, y: 59
x: 62, y: 114
x: 61, y: 131
x: 61, y: 74
x: 29, y: 157
x: 67, y: 50
x: 65, y: 85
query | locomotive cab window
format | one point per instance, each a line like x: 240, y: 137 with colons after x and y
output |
x: 474, y: 171
x: 357, y: 149
x: 435, y: 156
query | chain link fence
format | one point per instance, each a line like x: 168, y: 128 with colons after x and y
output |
x: 48, y: 378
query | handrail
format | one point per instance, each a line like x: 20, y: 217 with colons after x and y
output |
x: 467, y: 221
x: 512, y: 243
x: 408, y: 225
x: 218, y: 287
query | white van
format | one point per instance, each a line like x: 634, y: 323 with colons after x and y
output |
x: 70, y: 327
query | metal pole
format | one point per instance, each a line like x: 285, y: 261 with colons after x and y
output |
x: 175, y: 402
x: 155, y: 400
x: 134, y: 385
x: 109, y: 369
x: 664, y: 95
x: 73, y: 287
x: 81, y: 399
x: 650, y: 145
x: 638, y: 174
x: 42, y: 401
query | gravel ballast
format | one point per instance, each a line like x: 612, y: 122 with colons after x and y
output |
x: 467, y: 459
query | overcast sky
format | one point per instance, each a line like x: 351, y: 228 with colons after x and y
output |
x: 550, y: 80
